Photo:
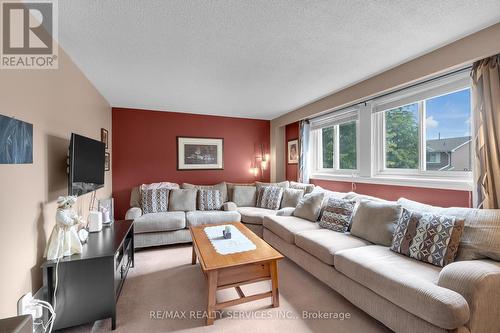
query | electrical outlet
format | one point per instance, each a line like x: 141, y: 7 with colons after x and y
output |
x: 26, y: 306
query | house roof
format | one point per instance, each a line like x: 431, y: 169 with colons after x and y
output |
x: 447, y: 144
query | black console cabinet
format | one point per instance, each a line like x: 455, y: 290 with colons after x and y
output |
x: 90, y: 283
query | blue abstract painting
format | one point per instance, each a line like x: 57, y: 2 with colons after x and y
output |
x: 16, y: 141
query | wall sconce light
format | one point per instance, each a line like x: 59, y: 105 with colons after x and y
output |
x: 261, y: 161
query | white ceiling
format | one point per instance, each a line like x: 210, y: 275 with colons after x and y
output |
x: 254, y: 59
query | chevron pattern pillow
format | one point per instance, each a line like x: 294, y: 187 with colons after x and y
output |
x: 269, y: 197
x: 209, y: 199
x: 154, y: 200
x: 428, y: 237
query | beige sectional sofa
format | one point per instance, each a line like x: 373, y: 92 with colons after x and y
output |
x: 404, y: 294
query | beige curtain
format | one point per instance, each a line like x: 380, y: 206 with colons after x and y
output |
x: 486, y: 118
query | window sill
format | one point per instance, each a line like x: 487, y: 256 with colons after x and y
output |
x: 397, y: 180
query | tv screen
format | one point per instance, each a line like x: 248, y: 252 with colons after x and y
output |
x: 86, y: 165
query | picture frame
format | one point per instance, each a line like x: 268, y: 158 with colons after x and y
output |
x: 106, y: 207
x: 198, y: 153
x: 107, y: 161
x: 293, y: 151
x: 105, y: 136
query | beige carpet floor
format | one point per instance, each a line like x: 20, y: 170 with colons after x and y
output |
x: 165, y: 283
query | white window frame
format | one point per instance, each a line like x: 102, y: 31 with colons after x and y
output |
x: 421, y: 172
x: 371, y: 141
x: 432, y: 153
x: 316, y: 144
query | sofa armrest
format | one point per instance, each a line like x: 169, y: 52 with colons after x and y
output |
x: 133, y: 213
x: 287, y: 211
x: 229, y: 206
x: 478, y: 281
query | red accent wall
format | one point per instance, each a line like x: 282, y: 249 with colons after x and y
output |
x: 291, y: 133
x: 145, y: 148
x: 436, y: 197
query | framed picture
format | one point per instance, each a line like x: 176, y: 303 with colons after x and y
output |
x: 16, y: 141
x: 293, y: 151
x: 107, y: 161
x: 104, y: 137
x: 200, y: 153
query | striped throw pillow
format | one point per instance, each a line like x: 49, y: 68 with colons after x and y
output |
x: 209, y: 199
x: 154, y: 200
x: 269, y: 197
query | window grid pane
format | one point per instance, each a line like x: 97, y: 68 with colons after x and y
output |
x: 347, y: 146
x: 327, y: 147
x: 402, y: 137
x: 448, y: 132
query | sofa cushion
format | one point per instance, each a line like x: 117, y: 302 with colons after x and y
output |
x: 336, y: 215
x: 284, y: 184
x: 481, y: 235
x: 222, y: 187
x: 182, y: 200
x: 408, y: 283
x: 211, y: 217
x: 244, y: 196
x: 309, y: 206
x: 287, y: 226
x: 269, y: 197
x: 154, y: 200
x: 135, y: 197
x: 154, y: 222
x: 231, y: 186
x: 307, y: 188
x: 324, y: 243
x: 427, y: 237
x: 291, y: 197
x: 375, y: 221
x: 255, y: 215
x: 209, y: 199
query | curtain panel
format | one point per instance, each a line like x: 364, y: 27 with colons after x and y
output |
x: 304, y: 133
x: 486, y: 117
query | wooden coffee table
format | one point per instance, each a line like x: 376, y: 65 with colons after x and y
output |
x: 235, y: 270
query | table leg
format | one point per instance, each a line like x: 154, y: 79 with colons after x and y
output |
x: 274, y: 283
x: 193, y: 257
x: 212, y: 296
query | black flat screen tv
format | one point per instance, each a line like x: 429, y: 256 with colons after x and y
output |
x: 86, y: 165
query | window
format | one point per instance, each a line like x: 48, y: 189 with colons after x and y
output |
x: 401, y: 137
x: 336, y: 142
x: 419, y: 136
x: 428, y: 136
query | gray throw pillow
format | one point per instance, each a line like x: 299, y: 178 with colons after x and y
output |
x: 375, y: 221
x: 244, y: 196
x: 285, y: 184
x: 291, y: 197
x: 182, y: 200
x: 309, y: 206
x: 307, y: 188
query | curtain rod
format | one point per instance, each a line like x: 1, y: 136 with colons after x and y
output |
x: 394, y: 91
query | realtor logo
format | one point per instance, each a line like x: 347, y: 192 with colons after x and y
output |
x: 28, y: 33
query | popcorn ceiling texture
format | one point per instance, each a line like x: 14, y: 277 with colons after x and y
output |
x: 256, y: 59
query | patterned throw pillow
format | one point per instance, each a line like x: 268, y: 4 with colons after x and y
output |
x: 154, y: 200
x: 269, y: 197
x: 209, y: 199
x: 428, y: 237
x: 337, y: 214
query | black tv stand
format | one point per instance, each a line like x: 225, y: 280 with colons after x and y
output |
x: 90, y: 283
